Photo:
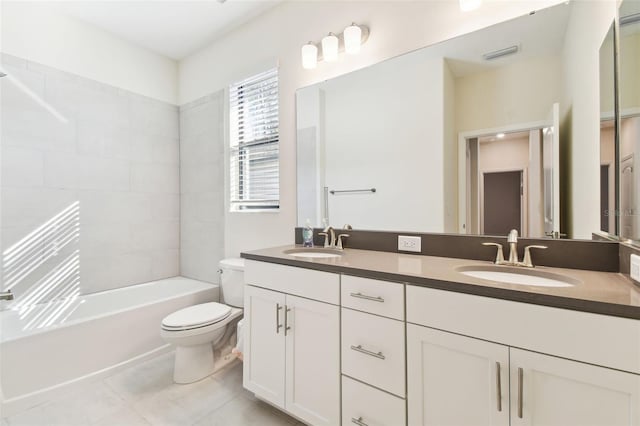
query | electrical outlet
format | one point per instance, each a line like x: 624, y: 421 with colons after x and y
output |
x: 635, y: 267
x: 406, y: 243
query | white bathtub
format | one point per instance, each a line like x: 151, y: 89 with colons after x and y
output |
x: 47, y: 347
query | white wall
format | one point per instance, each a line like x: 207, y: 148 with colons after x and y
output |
x: 404, y: 162
x: 39, y: 32
x: 396, y: 28
x: 580, y: 113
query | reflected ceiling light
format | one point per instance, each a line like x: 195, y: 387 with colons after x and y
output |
x: 500, y: 135
x: 309, y: 56
x: 469, y: 5
x: 349, y: 41
x: 352, y: 38
x: 500, y: 53
x: 330, y: 44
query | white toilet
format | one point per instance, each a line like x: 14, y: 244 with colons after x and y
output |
x: 195, y: 330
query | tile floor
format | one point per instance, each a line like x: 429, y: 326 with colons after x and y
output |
x: 146, y: 395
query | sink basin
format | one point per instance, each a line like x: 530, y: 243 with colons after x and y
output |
x: 314, y: 253
x: 517, y: 276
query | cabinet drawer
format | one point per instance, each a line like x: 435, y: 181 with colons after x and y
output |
x: 370, y: 406
x: 373, y: 350
x: 316, y: 285
x: 374, y: 296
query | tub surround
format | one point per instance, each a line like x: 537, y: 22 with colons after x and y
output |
x: 608, y: 293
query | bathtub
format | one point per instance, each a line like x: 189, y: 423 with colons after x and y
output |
x: 47, y: 348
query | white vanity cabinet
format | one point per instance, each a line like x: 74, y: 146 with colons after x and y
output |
x: 292, y: 343
x: 454, y: 379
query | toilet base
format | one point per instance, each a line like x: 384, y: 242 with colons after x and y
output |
x: 193, y: 363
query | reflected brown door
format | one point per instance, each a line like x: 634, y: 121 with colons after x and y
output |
x: 502, y: 202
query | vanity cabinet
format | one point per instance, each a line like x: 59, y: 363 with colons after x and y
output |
x: 459, y: 380
x: 454, y: 379
x: 292, y: 344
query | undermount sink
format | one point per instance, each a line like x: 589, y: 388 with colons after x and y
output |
x: 517, y: 276
x: 314, y: 253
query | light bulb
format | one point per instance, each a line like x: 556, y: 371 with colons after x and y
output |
x: 330, y: 48
x: 309, y: 56
x: 352, y: 38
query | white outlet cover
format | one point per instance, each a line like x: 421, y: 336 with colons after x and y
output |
x: 407, y: 243
x: 635, y: 267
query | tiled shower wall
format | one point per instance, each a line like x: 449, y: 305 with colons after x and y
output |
x: 90, y: 184
x: 202, y: 187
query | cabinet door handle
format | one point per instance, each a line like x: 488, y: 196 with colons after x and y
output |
x: 360, y: 349
x: 498, y: 387
x: 358, y: 421
x: 520, y: 391
x: 278, y: 325
x: 364, y: 296
x: 286, y: 319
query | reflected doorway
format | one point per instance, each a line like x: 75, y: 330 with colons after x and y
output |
x: 502, y: 200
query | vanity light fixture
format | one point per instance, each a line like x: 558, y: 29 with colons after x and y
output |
x: 309, y: 56
x: 330, y: 44
x: 352, y: 38
x: 500, y: 53
x: 349, y: 41
x: 469, y: 5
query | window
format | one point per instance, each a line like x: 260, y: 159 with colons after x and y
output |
x: 254, y: 143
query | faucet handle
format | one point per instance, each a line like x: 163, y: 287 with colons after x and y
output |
x: 527, y: 255
x: 513, y: 236
x: 326, y: 238
x: 340, y: 236
x: 499, y: 254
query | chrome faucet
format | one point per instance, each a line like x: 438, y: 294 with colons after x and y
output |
x: 6, y: 295
x: 329, y: 237
x: 512, y: 240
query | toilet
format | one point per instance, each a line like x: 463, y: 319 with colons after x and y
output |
x: 197, y: 329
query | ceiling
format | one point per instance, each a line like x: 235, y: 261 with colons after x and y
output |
x: 171, y: 28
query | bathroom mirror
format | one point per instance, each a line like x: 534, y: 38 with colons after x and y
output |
x: 461, y: 136
x: 629, y: 138
x: 608, y: 225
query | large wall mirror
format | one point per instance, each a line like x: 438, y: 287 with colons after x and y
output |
x: 620, y: 141
x: 461, y: 136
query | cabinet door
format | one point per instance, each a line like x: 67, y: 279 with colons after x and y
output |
x: 313, y: 361
x: 264, y: 358
x: 552, y: 391
x: 455, y: 380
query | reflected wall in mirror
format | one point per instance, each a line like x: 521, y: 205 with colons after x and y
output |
x: 629, y: 90
x: 445, y: 135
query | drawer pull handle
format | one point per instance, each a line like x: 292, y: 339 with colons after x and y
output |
x: 360, y: 349
x: 286, y: 319
x: 520, y: 391
x: 364, y: 296
x: 498, y: 387
x: 278, y: 325
x: 358, y: 421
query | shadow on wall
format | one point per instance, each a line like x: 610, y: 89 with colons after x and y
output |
x: 44, y: 266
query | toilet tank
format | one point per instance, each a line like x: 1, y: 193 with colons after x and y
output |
x: 232, y: 282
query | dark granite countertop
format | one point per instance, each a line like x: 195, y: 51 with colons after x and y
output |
x: 606, y: 293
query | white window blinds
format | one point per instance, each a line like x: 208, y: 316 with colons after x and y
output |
x: 254, y: 143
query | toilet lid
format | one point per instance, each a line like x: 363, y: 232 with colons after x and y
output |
x: 197, y: 316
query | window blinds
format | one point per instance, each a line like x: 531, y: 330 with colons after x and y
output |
x: 254, y: 143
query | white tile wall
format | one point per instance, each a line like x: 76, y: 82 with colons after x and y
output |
x: 202, y: 187
x: 68, y: 139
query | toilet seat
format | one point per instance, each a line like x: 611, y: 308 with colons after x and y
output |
x: 196, y: 316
